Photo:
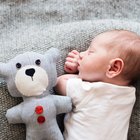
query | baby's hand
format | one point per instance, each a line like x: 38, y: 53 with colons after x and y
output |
x: 71, y: 63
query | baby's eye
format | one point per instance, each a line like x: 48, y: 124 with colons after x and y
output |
x: 38, y: 62
x: 90, y: 52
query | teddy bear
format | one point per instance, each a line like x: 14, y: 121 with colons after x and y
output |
x: 31, y: 76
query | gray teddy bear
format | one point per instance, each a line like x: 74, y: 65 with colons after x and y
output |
x: 31, y: 76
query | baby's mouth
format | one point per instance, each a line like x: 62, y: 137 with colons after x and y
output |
x: 78, y: 67
x: 78, y: 64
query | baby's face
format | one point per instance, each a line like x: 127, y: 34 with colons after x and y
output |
x: 94, y: 62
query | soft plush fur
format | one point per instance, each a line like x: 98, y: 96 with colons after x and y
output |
x: 32, y: 76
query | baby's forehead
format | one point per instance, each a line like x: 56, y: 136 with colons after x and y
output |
x: 116, y: 34
x: 105, y: 37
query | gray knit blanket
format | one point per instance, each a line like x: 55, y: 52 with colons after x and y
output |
x: 37, y: 25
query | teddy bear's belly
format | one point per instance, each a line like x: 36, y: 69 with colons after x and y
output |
x: 39, y: 113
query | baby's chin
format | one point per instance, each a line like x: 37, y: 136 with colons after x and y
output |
x: 82, y: 78
x: 79, y: 75
x: 86, y: 79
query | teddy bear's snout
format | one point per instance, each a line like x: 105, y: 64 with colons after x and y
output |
x: 30, y: 72
x: 31, y: 78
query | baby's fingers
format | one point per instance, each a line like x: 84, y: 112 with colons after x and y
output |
x: 70, y: 67
x: 72, y: 60
x: 73, y: 54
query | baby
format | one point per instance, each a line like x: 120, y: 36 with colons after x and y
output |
x: 102, y: 93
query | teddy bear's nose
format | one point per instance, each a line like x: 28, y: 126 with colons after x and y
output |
x: 30, y: 72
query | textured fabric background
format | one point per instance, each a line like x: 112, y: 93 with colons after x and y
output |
x: 66, y: 37
x: 36, y: 25
x: 16, y: 15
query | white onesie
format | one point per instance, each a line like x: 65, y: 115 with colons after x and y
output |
x: 101, y: 111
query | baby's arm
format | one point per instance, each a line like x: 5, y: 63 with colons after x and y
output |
x: 71, y: 63
x: 62, y: 82
x: 70, y: 66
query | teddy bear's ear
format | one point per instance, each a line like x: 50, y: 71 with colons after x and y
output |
x: 3, y: 69
x: 53, y: 54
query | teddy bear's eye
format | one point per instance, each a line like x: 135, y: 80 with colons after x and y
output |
x: 38, y: 62
x: 18, y: 65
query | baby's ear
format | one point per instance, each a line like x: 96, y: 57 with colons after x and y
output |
x: 115, y: 67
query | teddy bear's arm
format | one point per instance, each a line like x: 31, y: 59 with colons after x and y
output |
x: 63, y: 104
x: 13, y: 114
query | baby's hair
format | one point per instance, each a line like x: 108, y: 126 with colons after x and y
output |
x: 127, y: 45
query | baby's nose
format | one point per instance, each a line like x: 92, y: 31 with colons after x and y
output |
x: 81, y: 54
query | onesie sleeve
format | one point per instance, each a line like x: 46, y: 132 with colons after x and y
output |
x: 74, y: 90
